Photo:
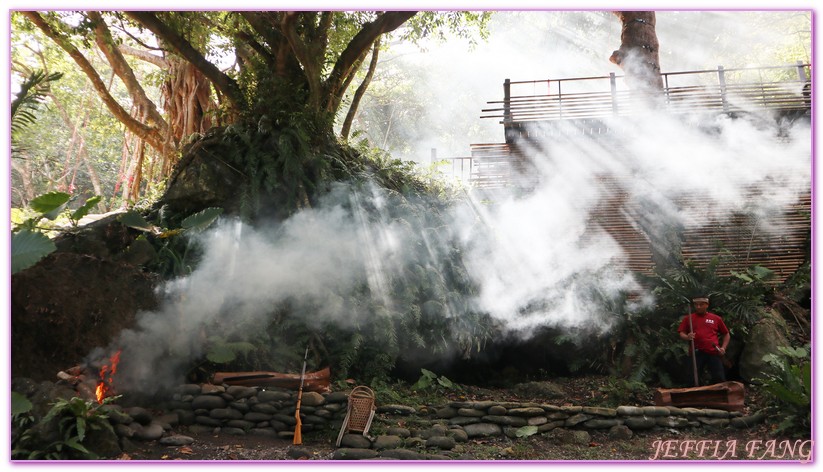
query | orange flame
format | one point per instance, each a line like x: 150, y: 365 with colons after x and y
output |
x: 104, y: 387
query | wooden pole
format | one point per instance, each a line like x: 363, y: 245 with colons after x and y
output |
x: 694, y: 353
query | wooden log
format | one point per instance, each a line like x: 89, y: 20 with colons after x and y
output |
x: 314, y: 381
x: 723, y: 396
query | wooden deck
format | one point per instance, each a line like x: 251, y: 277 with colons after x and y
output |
x: 597, y: 108
x: 705, y: 91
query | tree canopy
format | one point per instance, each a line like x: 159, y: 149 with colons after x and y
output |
x: 272, y: 68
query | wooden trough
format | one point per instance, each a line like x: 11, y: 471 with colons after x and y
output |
x: 313, y: 382
x: 723, y: 396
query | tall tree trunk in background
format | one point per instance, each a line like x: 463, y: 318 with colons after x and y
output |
x: 361, y: 90
x: 93, y: 176
x: 95, y: 181
x: 26, y: 194
x: 638, y: 54
x: 131, y: 169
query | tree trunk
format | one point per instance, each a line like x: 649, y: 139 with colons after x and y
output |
x: 361, y: 90
x: 26, y: 194
x: 187, y: 100
x: 638, y: 54
x: 95, y: 181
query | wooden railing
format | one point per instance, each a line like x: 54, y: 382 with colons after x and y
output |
x: 597, y: 99
x: 718, y: 90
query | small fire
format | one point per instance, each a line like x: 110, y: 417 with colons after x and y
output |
x: 105, y: 387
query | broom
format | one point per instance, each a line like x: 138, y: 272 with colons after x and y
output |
x: 298, y: 435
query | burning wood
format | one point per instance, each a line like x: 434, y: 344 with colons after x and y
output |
x: 105, y: 388
x: 88, y: 385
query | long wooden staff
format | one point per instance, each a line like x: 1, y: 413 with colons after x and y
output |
x: 298, y: 435
x: 694, y: 354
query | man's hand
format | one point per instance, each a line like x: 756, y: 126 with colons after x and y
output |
x: 687, y: 336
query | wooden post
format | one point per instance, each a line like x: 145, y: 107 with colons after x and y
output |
x: 560, y: 99
x: 721, y: 78
x: 801, y: 72
x: 507, y: 111
x: 613, y: 83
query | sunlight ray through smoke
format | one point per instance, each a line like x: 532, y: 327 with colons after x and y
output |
x: 538, y: 256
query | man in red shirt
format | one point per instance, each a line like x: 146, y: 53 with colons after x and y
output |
x: 710, y: 336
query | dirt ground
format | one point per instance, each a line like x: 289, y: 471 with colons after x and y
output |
x: 642, y: 447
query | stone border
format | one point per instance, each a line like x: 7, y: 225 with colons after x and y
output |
x: 236, y: 410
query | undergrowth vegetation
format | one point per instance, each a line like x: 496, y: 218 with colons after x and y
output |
x: 62, y: 433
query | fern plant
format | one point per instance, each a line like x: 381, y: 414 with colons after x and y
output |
x: 73, y: 419
x: 33, y: 92
x: 790, y: 388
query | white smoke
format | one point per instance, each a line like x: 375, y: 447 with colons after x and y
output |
x: 536, y: 258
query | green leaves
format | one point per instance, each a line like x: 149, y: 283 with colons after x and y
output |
x: 20, y: 404
x: 425, y: 381
x: 86, y: 208
x: 790, y: 387
x: 195, y: 222
x: 222, y: 352
x: 429, y: 379
x: 201, y: 220
x: 74, y: 417
x: 135, y: 220
x: 756, y: 274
x: 526, y: 431
x: 50, y: 204
x: 32, y: 92
x: 28, y: 245
x: 27, y: 248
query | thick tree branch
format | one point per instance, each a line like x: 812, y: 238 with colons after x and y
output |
x: 105, y: 42
x: 312, y: 65
x: 225, y: 84
x: 361, y: 90
x: 144, y: 56
x: 262, y: 28
x: 147, y: 133
x: 322, y: 34
x: 361, y: 42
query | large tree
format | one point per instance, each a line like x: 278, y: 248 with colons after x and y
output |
x: 270, y: 70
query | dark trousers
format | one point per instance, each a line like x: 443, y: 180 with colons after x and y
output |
x: 715, y: 364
